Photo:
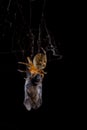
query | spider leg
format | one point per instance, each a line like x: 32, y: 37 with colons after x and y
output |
x: 23, y: 63
x: 43, y: 50
x: 22, y: 71
x: 45, y: 72
x: 29, y: 61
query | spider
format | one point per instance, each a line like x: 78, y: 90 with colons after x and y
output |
x: 37, y: 65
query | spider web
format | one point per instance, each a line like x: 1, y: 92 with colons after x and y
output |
x: 25, y: 39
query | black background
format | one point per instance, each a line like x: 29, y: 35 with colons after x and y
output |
x: 57, y: 84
